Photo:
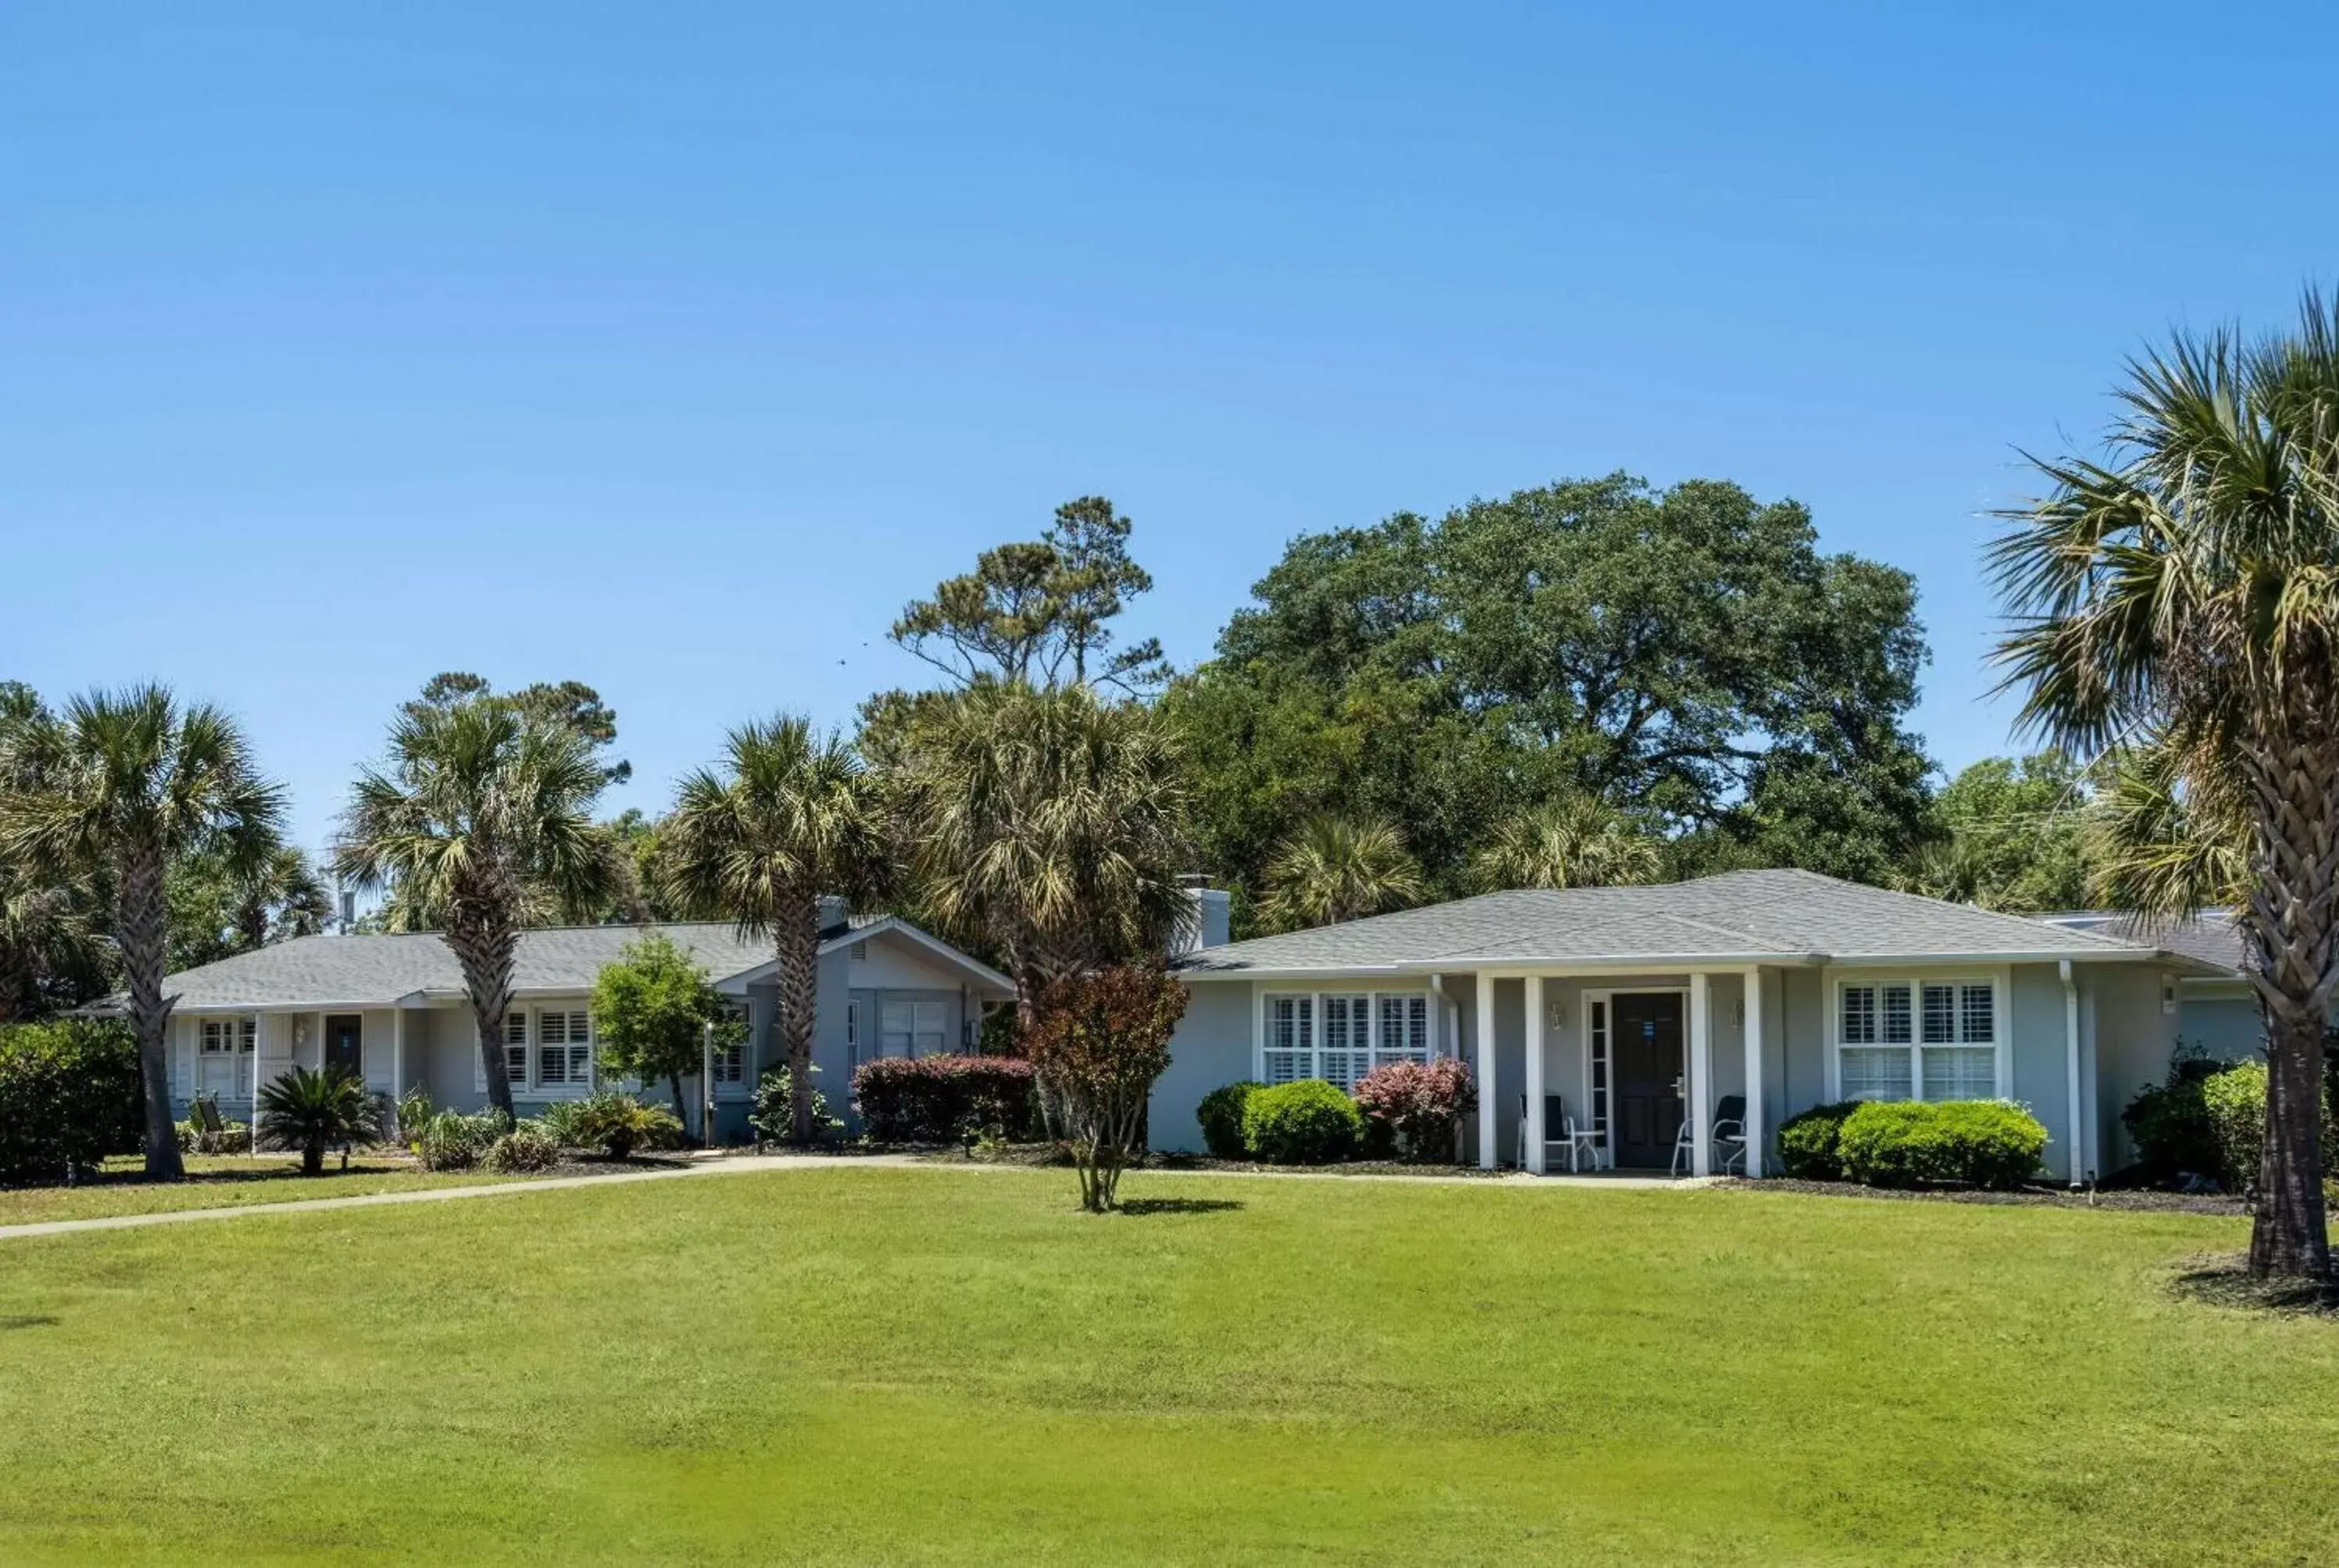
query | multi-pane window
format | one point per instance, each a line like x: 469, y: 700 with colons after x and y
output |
x: 1599, y: 1034
x: 730, y: 1065
x: 1341, y: 1037
x: 1901, y: 1039
x: 907, y: 1027
x: 229, y: 1036
x: 516, y: 1050
x: 563, y: 1048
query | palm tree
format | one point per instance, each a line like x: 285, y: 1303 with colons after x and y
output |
x: 1337, y: 868
x: 132, y: 781
x: 311, y: 1112
x: 279, y: 897
x: 2185, y: 590
x: 1046, y: 824
x: 1571, y: 841
x: 788, y: 817
x: 2170, y: 833
x: 481, y: 822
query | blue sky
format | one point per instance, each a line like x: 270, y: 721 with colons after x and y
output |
x: 672, y: 348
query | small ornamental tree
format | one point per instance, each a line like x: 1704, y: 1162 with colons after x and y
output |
x: 1099, y: 1040
x: 652, y: 1009
x: 1421, y: 1103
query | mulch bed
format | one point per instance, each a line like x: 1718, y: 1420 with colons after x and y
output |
x: 2132, y: 1199
x: 2224, y: 1279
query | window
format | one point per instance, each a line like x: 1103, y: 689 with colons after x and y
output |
x: 1341, y: 1037
x: 1290, y: 1039
x: 1903, y: 1039
x: 731, y: 1061
x: 1599, y: 1033
x: 908, y: 1026
x: 563, y: 1048
x: 516, y: 1050
x: 1348, y: 1053
x: 229, y: 1036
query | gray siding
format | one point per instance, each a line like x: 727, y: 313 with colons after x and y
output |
x: 2226, y: 1024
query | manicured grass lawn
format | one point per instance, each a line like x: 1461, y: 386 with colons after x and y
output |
x: 909, y: 1366
x: 223, y: 1181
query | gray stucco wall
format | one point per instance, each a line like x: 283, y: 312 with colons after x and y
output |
x: 1210, y: 1048
x: 2224, y: 1023
x: 2135, y: 1038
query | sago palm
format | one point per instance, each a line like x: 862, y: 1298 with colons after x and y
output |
x: 480, y: 822
x: 787, y: 817
x: 130, y: 780
x: 2185, y: 590
x: 1572, y: 841
x: 1047, y: 824
x: 311, y: 1112
x: 1337, y: 868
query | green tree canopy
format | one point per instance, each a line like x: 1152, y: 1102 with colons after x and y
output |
x: 2014, y: 834
x: 1686, y: 653
x: 653, y: 1009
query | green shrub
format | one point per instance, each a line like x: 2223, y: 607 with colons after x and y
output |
x: 70, y: 1095
x: 1310, y: 1122
x: 2234, y: 1101
x: 1959, y: 1143
x: 452, y: 1140
x: 2171, y: 1125
x: 613, y: 1123
x: 1809, y: 1143
x: 1221, y: 1115
x: 411, y: 1112
x: 527, y: 1147
x: 772, y: 1112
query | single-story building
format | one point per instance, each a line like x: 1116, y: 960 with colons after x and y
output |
x: 2218, y: 1014
x: 392, y: 1007
x: 1632, y: 1011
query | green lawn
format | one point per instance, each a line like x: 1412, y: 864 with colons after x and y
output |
x: 223, y: 1181
x: 909, y: 1366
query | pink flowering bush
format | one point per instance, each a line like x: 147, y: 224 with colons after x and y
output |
x: 1419, y: 1104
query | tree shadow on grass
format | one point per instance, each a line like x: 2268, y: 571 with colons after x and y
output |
x: 14, y: 1320
x: 1179, y: 1204
x: 2224, y: 1279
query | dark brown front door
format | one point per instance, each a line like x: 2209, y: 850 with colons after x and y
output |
x: 1649, y: 1067
x: 345, y: 1044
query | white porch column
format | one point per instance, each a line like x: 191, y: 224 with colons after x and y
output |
x: 1487, y: 1119
x: 2071, y: 1054
x: 1754, y: 1130
x: 397, y: 1054
x: 1535, y: 1074
x: 1701, y: 1075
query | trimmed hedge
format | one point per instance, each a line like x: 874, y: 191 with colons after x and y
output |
x: 70, y: 1095
x: 1810, y: 1143
x: 1310, y: 1122
x: 944, y: 1099
x: 1962, y: 1142
x: 1221, y: 1115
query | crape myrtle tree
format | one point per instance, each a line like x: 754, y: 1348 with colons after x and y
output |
x: 119, y: 785
x: 2181, y: 593
x: 479, y: 822
x: 1686, y: 655
x: 787, y: 817
x: 1100, y: 1040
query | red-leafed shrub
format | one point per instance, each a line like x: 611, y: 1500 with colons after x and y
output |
x: 944, y: 1099
x: 1098, y: 1042
x: 1419, y: 1104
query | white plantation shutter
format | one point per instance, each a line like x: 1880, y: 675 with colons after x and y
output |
x: 564, y: 1053
x: 1347, y: 1054
x: 1405, y: 1030
x: 1940, y: 1014
x: 516, y: 1049
x: 1290, y: 1039
x: 1858, y: 1025
x: 1934, y: 1040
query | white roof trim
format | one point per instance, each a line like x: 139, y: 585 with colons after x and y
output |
x: 892, y: 924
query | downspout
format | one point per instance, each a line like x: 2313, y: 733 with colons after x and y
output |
x: 2071, y: 1056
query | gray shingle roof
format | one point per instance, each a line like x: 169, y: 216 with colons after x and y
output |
x: 1738, y: 916
x: 376, y: 970
x: 2209, y: 936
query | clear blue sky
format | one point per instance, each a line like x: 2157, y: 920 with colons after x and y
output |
x: 672, y: 348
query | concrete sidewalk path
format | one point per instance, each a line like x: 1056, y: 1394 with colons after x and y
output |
x: 749, y: 1164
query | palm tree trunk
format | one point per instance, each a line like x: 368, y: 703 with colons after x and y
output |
x: 486, y: 943
x: 798, y: 954
x: 2294, y: 920
x: 143, y: 928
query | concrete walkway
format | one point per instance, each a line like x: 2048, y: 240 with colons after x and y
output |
x: 749, y: 1164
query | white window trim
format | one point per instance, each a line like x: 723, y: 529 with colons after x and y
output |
x: 527, y: 1086
x: 1262, y: 997
x: 1833, y: 977
x: 728, y: 1089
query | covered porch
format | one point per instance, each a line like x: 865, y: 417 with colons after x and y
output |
x: 1635, y: 1071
